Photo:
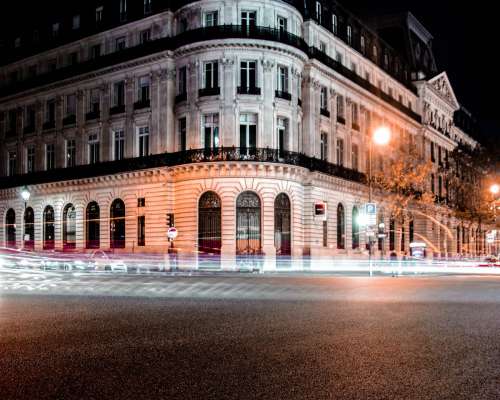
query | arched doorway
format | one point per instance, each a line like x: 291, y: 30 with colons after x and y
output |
x: 48, y: 228
x: 282, y: 225
x: 93, y: 226
x: 117, y: 224
x: 29, y: 229
x: 69, y: 227
x: 10, y: 228
x: 392, y: 234
x: 209, y: 223
x: 340, y: 227
x: 248, y: 223
x: 355, y: 228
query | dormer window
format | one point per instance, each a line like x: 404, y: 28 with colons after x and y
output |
x: 17, y: 42
x: 76, y: 22
x: 98, y: 14
x: 318, y: 11
x: 55, y: 29
x: 349, y: 35
x: 211, y: 18
x: 334, y: 23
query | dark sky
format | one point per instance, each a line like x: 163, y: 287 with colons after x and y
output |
x: 461, y: 33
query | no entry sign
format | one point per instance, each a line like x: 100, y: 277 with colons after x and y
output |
x: 172, y: 233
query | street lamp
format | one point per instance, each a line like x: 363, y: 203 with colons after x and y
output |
x: 495, y: 189
x: 381, y: 137
x: 25, y: 194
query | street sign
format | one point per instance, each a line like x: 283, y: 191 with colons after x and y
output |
x: 371, y: 214
x: 172, y: 233
x: 320, y: 211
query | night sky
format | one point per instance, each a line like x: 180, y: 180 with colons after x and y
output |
x: 460, y: 32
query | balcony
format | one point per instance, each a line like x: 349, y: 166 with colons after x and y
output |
x: 222, y: 154
x: 253, y: 90
x: 69, y: 120
x: 29, y: 129
x: 49, y: 125
x: 119, y: 109
x: 283, y: 95
x: 92, y: 115
x: 340, y: 119
x: 180, y: 98
x: 142, y: 103
x: 209, y: 91
x: 324, y: 112
x: 355, y: 126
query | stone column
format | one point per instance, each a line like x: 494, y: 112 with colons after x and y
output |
x: 267, y: 133
x: 228, y: 109
x: 130, y: 142
x: 167, y: 130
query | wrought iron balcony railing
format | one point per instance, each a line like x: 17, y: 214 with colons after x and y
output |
x: 92, y: 115
x: 119, y: 109
x: 180, y: 97
x: 69, y: 120
x: 211, y: 91
x: 222, y: 154
x: 49, y: 125
x: 143, y: 103
x: 324, y: 112
x: 248, y: 90
x: 283, y: 95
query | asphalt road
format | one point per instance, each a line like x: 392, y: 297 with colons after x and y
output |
x: 250, y: 337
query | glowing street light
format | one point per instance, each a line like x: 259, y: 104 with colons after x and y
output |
x: 495, y: 188
x: 382, y: 136
x: 25, y: 194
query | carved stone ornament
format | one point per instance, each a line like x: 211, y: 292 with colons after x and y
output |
x: 168, y: 74
x: 268, y: 65
x: 442, y: 87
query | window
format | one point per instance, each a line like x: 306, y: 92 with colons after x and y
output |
x: 355, y: 117
x: 211, y: 131
x: 282, y: 126
x: 440, y: 187
x: 211, y: 18
x: 118, y: 94
x: 52, y: 65
x: 182, y: 134
x: 93, y: 146
x: 50, y: 111
x: 323, y: 146
x: 29, y: 117
x: 318, y: 11
x: 323, y: 100
x: 17, y: 42
x: 248, y: 19
x: 118, y: 144
x: 182, y: 83
x: 76, y: 22
x: 98, y: 14
x: 120, y: 43
x: 339, y: 57
x: 95, y: 51
x: 334, y: 24
x: 141, y: 202
x: 325, y: 233
x: 349, y: 34
x: 322, y: 47
x: 283, y: 79
x: 386, y: 60
x: 355, y: 157
x: 392, y: 234
x: 340, y: 152
x: 55, y: 29
x: 143, y: 89
x: 355, y: 228
x: 440, y: 161
x: 143, y: 141
x: 141, y: 230
x: 354, y: 67
x: 248, y: 131
x: 12, y: 163
x: 340, y: 227
x: 433, y: 189
x: 282, y: 24
x: 73, y: 58
x: 211, y: 75
x: 123, y: 10
x: 183, y: 25
x: 375, y: 53
x: 30, y: 159
x: 362, y: 44
x: 248, y: 77
x: 432, y: 152
x: 94, y: 101
x: 70, y: 105
x: 50, y: 156
x: 340, y: 107
x: 145, y: 36
x: 12, y: 122
x: 147, y: 7
x: 70, y: 153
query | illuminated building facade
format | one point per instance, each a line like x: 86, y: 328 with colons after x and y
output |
x: 237, y: 118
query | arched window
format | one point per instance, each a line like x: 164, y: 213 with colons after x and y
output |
x: 282, y: 225
x: 10, y: 228
x: 248, y: 223
x: 209, y: 223
x: 392, y: 234
x: 355, y: 228
x: 93, y: 226
x: 69, y: 227
x: 48, y: 228
x: 29, y: 229
x: 340, y: 227
x: 117, y: 224
x: 412, y: 231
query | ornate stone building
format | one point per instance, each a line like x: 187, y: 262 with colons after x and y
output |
x: 230, y: 119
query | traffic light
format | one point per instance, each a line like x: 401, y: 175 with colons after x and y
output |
x: 170, y: 220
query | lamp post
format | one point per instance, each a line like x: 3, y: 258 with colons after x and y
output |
x: 380, y: 137
x: 25, y: 194
x: 495, y: 190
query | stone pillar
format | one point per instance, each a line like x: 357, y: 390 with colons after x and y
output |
x: 168, y: 136
x: 310, y: 106
x: 228, y: 118
x: 266, y: 138
x: 130, y: 142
